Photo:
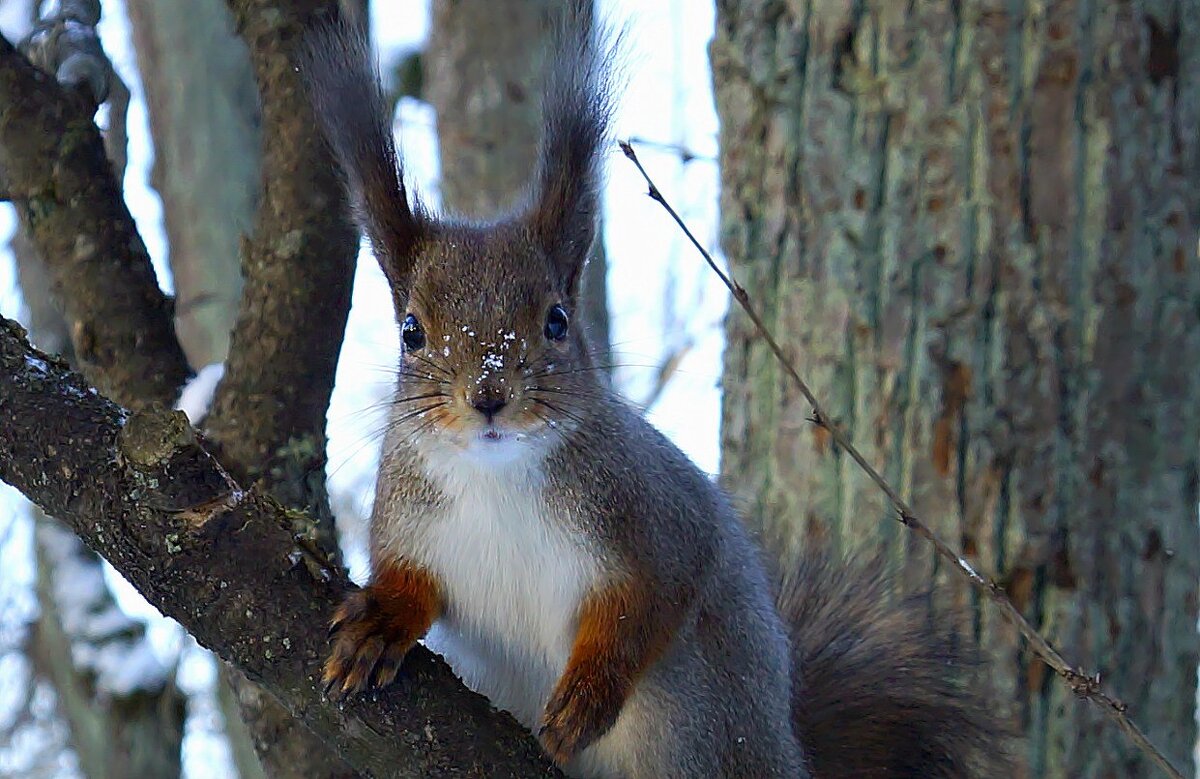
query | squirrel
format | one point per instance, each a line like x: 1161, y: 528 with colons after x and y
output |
x: 566, y: 558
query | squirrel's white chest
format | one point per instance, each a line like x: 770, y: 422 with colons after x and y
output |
x: 514, y: 576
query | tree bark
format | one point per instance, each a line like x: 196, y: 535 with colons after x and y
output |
x: 69, y: 204
x: 486, y: 60
x: 204, y: 120
x: 117, y: 729
x: 141, y: 490
x: 973, y: 226
x: 268, y: 416
x: 121, y: 723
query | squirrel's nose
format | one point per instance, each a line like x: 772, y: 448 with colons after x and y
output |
x: 489, y: 405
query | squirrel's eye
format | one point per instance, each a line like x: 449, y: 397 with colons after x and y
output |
x: 412, y: 334
x: 557, y: 323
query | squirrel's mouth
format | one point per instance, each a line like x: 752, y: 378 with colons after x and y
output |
x: 495, y: 446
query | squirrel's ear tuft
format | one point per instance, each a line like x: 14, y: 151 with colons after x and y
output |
x: 342, y: 81
x: 577, y: 107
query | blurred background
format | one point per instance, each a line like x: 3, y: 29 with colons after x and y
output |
x: 972, y: 225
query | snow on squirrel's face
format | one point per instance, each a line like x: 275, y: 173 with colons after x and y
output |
x: 490, y: 361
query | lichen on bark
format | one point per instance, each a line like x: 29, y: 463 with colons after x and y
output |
x: 974, y: 227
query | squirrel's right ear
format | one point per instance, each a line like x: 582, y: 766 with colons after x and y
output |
x: 576, y: 109
x: 339, y: 72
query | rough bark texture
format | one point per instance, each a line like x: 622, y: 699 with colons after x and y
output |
x: 198, y: 196
x: 203, y: 109
x: 70, y: 208
x: 485, y: 63
x: 974, y: 227
x: 141, y: 490
x: 268, y: 417
x: 116, y: 730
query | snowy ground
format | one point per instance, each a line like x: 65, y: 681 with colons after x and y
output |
x: 662, y: 301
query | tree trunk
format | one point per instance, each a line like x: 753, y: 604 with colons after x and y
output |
x: 973, y: 227
x: 203, y: 110
x: 486, y: 61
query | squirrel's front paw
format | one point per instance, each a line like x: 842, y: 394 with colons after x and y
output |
x: 582, y: 709
x: 369, y: 643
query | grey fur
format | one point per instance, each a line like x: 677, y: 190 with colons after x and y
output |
x: 612, y: 499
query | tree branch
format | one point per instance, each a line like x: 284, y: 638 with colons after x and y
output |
x: 78, y: 643
x: 142, y: 491
x: 268, y: 416
x: 68, y: 200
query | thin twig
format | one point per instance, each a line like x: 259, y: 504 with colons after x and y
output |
x: 685, y: 153
x: 1083, y: 684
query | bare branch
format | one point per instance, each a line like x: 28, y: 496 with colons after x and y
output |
x: 1084, y: 684
x: 65, y: 44
x: 70, y: 204
x: 142, y: 491
x: 268, y: 416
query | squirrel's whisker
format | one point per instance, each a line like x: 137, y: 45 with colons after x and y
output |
x: 557, y: 409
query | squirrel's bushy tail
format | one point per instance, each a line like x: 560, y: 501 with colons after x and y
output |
x: 882, y: 689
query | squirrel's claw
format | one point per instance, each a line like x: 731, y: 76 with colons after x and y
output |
x: 575, y: 718
x: 388, y: 665
x: 367, y: 647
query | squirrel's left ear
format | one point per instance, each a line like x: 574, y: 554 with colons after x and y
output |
x: 343, y: 85
x: 577, y: 107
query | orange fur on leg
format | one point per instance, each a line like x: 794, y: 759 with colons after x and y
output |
x: 374, y: 627
x: 621, y: 633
